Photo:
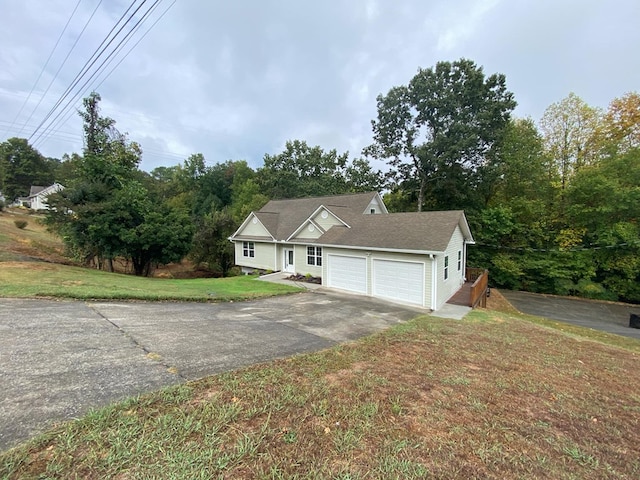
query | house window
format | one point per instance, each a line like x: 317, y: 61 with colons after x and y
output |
x: 446, y: 267
x: 459, y: 260
x: 248, y: 249
x: 314, y: 256
x: 373, y: 211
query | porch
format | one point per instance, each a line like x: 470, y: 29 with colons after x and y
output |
x: 473, y: 292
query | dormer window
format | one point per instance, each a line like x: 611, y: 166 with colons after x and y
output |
x: 373, y: 211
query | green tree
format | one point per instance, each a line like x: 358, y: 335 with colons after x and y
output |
x: 303, y: 171
x: 22, y: 166
x: 211, y: 243
x: 570, y: 131
x: 106, y: 212
x: 439, y: 129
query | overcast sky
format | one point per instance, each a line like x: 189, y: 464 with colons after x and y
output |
x: 237, y: 79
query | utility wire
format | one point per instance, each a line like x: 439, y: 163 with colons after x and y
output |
x: 96, y: 86
x: 87, y: 66
x: 61, y: 65
x: 101, y: 66
x: 44, y: 67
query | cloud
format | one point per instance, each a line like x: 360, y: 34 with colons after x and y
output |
x: 236, y: 80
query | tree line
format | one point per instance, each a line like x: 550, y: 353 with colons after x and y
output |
x: 553, y: 205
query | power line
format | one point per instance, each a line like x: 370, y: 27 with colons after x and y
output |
x: 61, y: 65
x: 44, y: 67
x: 124, y: 40
x: 66, y: 117
x: 87, y: 66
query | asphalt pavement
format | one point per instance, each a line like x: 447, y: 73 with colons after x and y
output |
x: 58, y: 359
x: 605, y: 316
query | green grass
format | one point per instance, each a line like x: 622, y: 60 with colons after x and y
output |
x: 35, y: 279
x: 491, y: 396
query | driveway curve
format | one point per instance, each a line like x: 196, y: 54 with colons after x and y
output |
x: 58, y: 359
x: 604, y: 316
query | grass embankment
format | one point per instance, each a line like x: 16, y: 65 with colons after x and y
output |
x: 36, y: 279
x: 32, y: 242
x: 491, y: 396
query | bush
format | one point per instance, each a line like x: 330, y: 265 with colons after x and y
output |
x: 1, y: 205
x: 21, y: 224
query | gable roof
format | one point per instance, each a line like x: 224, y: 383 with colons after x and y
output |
x: 283, y: 217
x: 415, y: 231
x: 35, y: 189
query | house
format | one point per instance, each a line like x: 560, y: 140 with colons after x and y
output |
x: 37, y: 199
x: 356, y: 245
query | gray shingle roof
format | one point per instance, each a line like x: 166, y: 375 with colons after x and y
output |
x: 415, y: 231
x: 283, y: 217
x: 423, y: 231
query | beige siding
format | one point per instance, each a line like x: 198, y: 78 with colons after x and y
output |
x: 447, y: 288
x: 254, y: 229
x: 300, y: 261
x: 306, y: 233
x: 374, y: 205
x: 326, y: 223
x: 265, y: 256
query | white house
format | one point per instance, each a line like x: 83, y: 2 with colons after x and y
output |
x: 37, y: 199
x: 354, y: 244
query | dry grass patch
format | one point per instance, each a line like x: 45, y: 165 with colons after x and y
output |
x: 492, y: 396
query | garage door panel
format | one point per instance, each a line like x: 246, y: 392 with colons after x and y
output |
x: 399, y: 281
x: 347, y: 273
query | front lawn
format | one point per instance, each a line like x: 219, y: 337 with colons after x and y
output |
x: 491, y: 396
x: 39, y: 279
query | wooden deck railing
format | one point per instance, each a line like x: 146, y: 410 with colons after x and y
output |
x: 480, y: 279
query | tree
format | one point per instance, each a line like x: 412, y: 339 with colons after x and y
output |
x: 570, y: 132
x: 107, y: 212
x: 621, y: 123
x: 303, y: 171
x: 211, y: 243
x: 440, y: 128
x: 21, y: 166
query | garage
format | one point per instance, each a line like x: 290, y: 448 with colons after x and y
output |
x: 347, y: 273
x: 399, y: 281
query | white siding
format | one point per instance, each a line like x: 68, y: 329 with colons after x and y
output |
x: 447, y: 288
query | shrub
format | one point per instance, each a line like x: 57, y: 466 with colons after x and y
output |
x: 1, y: 205
x: 21, y: 224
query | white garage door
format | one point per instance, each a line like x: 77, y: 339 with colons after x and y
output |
x: 347, y: 273
x: 399, y: 281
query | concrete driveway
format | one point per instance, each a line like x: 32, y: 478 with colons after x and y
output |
x: 60, y: 358
x: 604, y: 316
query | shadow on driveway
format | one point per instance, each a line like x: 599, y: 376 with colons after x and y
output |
x: 603, y: 316
x: 60, y: 358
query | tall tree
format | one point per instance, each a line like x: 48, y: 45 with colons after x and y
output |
x: 302, y: 171
x: 21, y: 166
x: 621, y: 123
x: 107, y: 212
x: 570, y: 132
x: 440, y: 128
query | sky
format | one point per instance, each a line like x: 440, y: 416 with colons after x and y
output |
x: 234, y: 80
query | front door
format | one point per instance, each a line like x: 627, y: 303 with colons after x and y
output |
x: 288, y: 261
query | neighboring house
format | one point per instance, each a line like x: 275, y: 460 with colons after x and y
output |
x: 37, y: 199
x: 354, y: 244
